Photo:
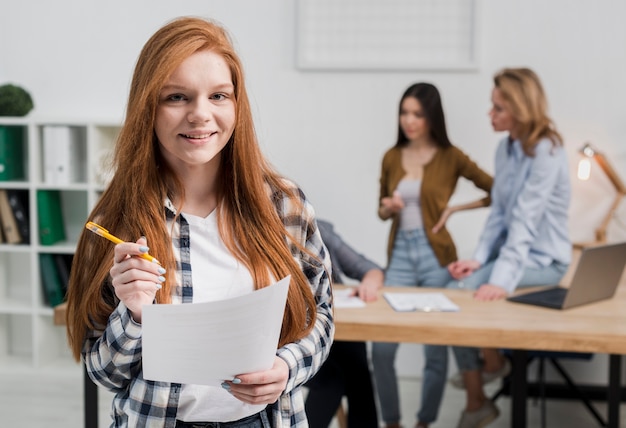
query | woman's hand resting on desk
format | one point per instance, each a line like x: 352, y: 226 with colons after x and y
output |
x: 262, y: 387
x: 489, y: 292
x: 486, y: 292
x: 371, y: 282
x: 134, y: 279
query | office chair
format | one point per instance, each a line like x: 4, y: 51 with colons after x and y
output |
x: 553, y: 358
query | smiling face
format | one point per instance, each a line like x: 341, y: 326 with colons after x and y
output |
x: 413, y: 121
x: 195, y: 117
x: 500, y: 114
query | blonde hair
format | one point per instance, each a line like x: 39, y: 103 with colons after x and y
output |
x: 132, y: 205
x: 523, y: 91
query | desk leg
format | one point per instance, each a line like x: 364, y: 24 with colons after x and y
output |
x: 90, y: 402
x: 614, y: 392
x: 518, y: 389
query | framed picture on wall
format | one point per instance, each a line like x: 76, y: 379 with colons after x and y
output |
x: 386, y: 35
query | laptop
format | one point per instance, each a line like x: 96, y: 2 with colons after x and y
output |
x: 596, y: 278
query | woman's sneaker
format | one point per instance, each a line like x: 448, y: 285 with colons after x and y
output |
x: 479, y: 418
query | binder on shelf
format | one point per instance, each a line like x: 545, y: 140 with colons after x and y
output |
x: 9, y: 224
x: 11, y: 153
x: 51, y: 282
x: 60, y: 154
x: 18, y: 200
x: 49, y: 210
x: 64, y: 264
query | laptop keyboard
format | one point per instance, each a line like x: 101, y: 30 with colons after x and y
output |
x: 551, y: 297
x: 554, y: 295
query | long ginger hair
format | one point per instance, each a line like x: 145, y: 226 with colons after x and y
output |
x: 133, y: 203
x: 523, y: 90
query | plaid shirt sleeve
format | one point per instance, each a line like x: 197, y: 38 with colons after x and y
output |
x: 113, y: 359
x: 113, y: 356
x: 306, y: 356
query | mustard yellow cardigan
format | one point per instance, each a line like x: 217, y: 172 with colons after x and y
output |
x: 440, y: 178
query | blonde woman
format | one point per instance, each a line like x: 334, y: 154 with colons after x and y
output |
x: 191, y: 183
x: 525, y: 239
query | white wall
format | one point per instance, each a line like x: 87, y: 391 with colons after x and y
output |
x: 328, y: 130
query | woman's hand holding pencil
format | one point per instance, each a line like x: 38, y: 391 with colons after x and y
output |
x: 136, y: 275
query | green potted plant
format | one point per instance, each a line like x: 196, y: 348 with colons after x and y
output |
x: 14, y: 101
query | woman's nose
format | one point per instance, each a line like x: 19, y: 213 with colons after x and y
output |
x: 200, y: 111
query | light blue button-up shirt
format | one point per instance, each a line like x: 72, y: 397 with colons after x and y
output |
x: 529, y: 212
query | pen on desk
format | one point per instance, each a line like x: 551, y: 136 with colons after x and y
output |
x: 101, y: 231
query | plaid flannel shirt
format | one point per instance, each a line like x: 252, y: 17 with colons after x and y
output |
x: 113, y: 355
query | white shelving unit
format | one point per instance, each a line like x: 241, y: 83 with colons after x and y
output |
x: 28, y: 337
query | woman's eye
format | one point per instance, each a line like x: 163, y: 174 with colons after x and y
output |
x: 175, y: 97
x: 218, y: 97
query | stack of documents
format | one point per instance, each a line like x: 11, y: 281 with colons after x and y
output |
x: 344, y: 299
x: 208, y: 343
x: 420, y: 302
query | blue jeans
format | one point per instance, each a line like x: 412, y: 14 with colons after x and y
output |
x: 469, y: 358
x: 412, y: 264
x: 259, y: 420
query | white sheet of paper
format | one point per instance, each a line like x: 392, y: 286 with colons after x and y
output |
x: 422, y: 302
x: 343, y: 299
x: 207, y: 343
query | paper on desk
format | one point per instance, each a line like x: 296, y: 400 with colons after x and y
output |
x: 207, y: 343
x: 343, y: 299
x: 423, y: 302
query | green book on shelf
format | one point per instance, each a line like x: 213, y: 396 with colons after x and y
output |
x: 49, y: 210
x: 11, y: 153
x: 50, y: 280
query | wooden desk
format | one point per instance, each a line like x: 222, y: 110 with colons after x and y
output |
x: 598, y: 328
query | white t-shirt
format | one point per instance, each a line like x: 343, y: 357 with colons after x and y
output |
x: 216, y: 275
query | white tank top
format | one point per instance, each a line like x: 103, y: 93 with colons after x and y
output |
x: 411, y: 214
